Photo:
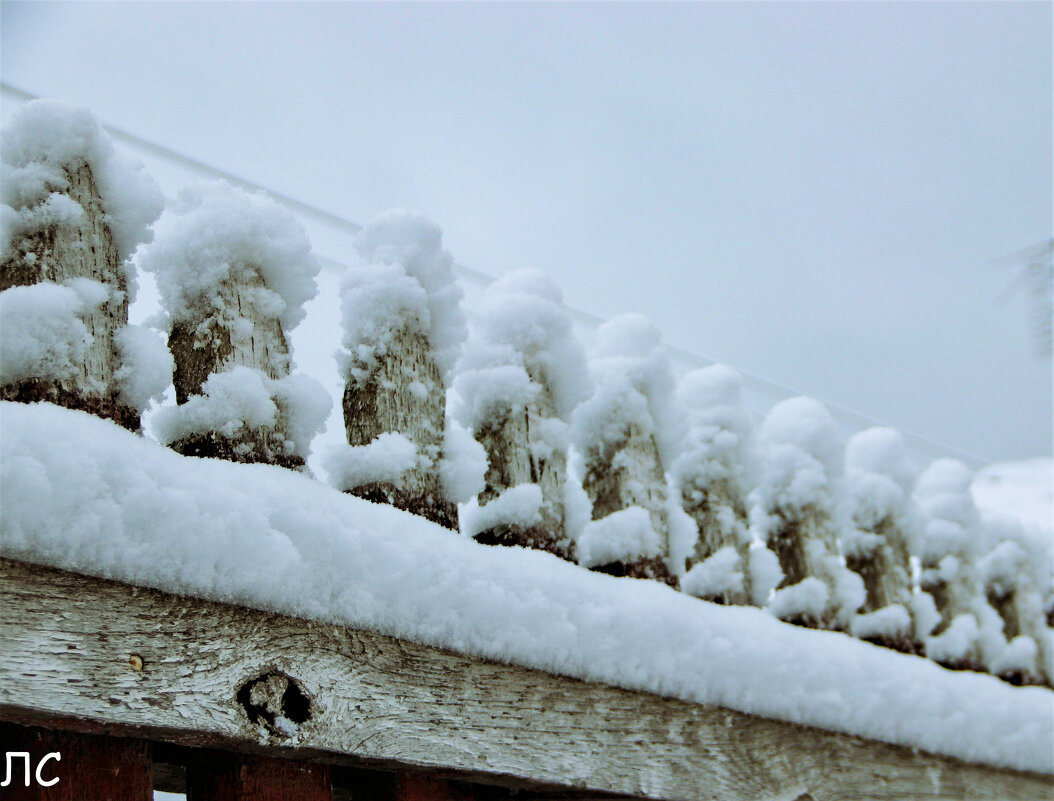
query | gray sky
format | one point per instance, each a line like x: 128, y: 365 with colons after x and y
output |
x: 812, y: 193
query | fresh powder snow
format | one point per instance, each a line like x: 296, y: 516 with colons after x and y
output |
x: 218, y: 236
x: 42, y: 330
x: 213, y: 235
x: 404, y: 278
x: 82, y: 494
x: 42, y: 141
x: 635, y: 386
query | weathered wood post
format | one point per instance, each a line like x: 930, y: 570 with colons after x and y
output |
x: 403, y: 331
x: 627, y: 433
x: 74, y: 211
x: 798, y: 515
x: 522, y: 374
x: 234, y: 270
x: 1014, y: 574
x: 879, y: 476
x: 946, y: 548
x: 713, y: 475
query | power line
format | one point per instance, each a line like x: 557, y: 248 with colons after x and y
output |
x: 849, y: 418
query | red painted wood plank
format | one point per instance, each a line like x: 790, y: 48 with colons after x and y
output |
x: 421, y: 787
x: 227, y: 777
x: 90, y: 767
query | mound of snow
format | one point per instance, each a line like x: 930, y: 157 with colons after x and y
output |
x: 45, y: 138
x: 404, y: 278
x: 42, y: 330
x: 215, y: 231
x: 82, y: 494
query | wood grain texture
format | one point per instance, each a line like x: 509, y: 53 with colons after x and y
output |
x: 518, y: 453
x: 720, y: 514
x: 241, y: 331
x: 629, y: 473
x: 885, y: 567
x: 223, y: 676
x: 803, y: 540
x: 403, y: 393
x: 90, y: 766
x: 56, y: 254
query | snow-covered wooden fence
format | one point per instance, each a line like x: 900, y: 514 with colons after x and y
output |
x: 231, y: 703
x: 607, y: 463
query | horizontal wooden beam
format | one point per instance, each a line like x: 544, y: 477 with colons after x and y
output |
x: 110, y: 656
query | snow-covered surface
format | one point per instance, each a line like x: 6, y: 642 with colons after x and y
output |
x: 802, y: 458
x: 879, y: 476
x: 719, y: 442
x: 953, y: 520
x: 521, y: 339
x: 42, y: 330
x: 213, y: 234
x: 404, y: 279
x: 716, y: 574
x: 146, y: 367
x: 635, y: 386
x: 624, y: 535
x: 517, y: 506
x: 46, y: 137
x: 246, y: 397
x: 463, y: 465
x: 386, y: 458
x: 82, y: 494
x: 1022, y: 489
x: 889, y: 621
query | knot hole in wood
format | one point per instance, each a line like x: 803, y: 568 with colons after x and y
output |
x: 275, y: 701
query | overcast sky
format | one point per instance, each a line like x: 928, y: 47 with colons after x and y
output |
x: 812, y: 193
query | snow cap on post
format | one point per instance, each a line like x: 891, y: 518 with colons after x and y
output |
x: 797, y: 514
x: 712, y: 476
x: 234, y: 270
x: 627, y: 433
x: 879, y: 475
x: 413, y: 245
x: 403, y: 331
x: 521, y: 375
x: 73, y: 210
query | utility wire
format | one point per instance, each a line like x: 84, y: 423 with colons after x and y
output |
x: 848, y: 417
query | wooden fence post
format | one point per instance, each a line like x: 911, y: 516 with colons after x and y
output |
x: 1011, y: 576
x: 234, y: 270
x: 89, y: 766
x: 403, y: 330
x: 951, y: 523
x: 879, y: 475
x: 712, y: 475
x: 519, y: 378
x: 796, y: 503
x: 623, y: 432
x: 77, y: 212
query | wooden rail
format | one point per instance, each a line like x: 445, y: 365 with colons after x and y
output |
x: 100, y: 656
